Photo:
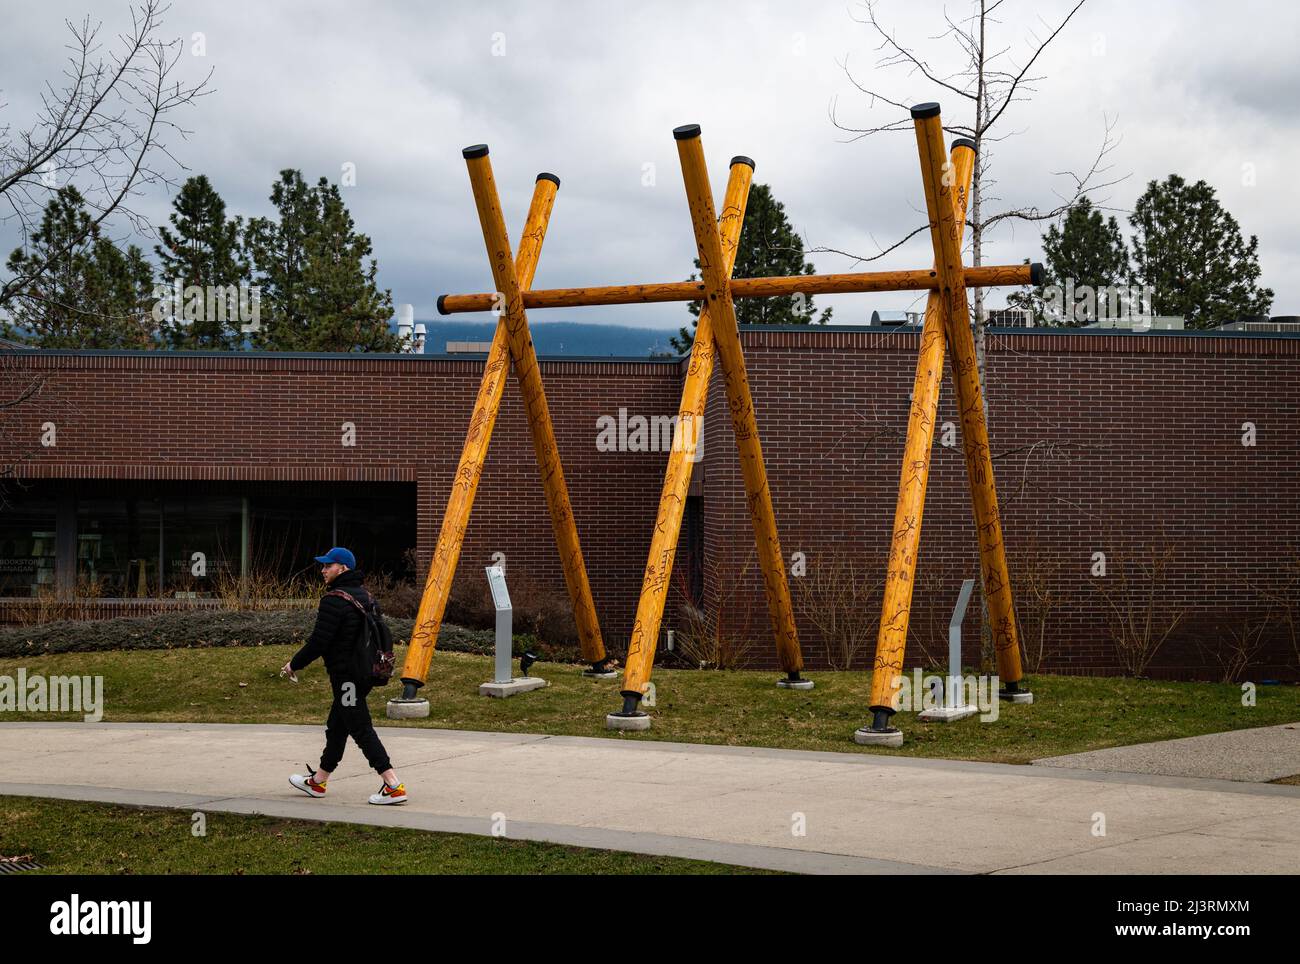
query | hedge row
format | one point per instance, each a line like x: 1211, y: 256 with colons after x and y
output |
x: 201, y: 628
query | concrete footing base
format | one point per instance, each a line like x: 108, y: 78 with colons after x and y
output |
x: 946, y: 714
x: 870, y: 737
x: 607, y: 674
x: 794, y: 684
x: 617, y: 721
x: 407, y: 709
x: 1017, y: 697
x: 521, y: 684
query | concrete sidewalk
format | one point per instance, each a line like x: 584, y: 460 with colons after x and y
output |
x: 861, y: 813
x: 1256, y: 755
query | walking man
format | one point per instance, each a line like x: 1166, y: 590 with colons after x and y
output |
x: 335, y: 638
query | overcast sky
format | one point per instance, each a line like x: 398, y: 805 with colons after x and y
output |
x: 591, y: 92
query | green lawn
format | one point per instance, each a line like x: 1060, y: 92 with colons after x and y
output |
x: 71, y: 837
x: 1072, y: 714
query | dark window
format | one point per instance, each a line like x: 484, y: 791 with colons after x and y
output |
x: 289, y: 525
x: 117, y: 547
x: 202, y: 542
x: 27, y: 544
x: 690, y: 547
x: 380, y: 531
x: 135, y: 539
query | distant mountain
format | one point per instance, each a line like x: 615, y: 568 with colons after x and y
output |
x: 563, y: 338
x: 571, y: 338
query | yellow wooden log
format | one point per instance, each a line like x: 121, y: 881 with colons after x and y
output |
x: 677, y: 477
x: 946, y: 239
x: 905, y: 542
x: 726, y: 336
x: 989, y: 276
x: 446, y: 554
x: 530, y: 383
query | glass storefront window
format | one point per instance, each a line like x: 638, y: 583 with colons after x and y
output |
x: 202, y: 536
x: 289, y: 527
x: 27, y: 546
x: 380, y: 530
x: 117, y: 547
x: 128, y: 540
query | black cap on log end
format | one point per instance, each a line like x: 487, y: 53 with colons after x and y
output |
x: 1036, y: 273
x: 686, y: 132
x: 922, y: 111
x: 441, y: 310
x: 962, y: 142
x: 742, y: 159
x: 548, y: 176
x: 475, y: 150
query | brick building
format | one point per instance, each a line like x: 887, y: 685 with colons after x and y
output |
x: 1172, y: 449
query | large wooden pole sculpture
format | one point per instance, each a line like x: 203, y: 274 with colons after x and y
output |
x: 905, y: 542
x: 726, y: 336
x: 718, y: 337
x: 496, y: 371
x: 946, y: 184
x: 686, y: 439
x: 530, y: 384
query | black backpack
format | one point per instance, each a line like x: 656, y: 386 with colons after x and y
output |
x: 373, y: 659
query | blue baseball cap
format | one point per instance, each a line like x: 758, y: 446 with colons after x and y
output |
x: 340, y: 555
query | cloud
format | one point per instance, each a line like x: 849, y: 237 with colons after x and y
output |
x: 591, y: 91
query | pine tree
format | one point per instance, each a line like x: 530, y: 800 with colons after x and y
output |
x: 1086, y: 250
x: 46, y: 312
x: 1192, y: 253
x: 317, y: 292
x: 120, y: 286
x: 276, y: 250
x: 348, y: 311
x: 769, y: 247
x: 202, y: 251
x: 88, y: 293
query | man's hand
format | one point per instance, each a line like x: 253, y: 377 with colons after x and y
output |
x: 287, y: 670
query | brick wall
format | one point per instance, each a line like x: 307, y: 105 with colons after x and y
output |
x: 280, y: 417
x: 1121, y: 444
x: 1103, y: 443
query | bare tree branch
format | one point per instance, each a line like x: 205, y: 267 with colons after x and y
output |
x: 1010, y: 94
x: 104, y: 130
x: 863, y: 259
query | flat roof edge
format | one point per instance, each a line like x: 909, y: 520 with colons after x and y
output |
x: 321, y: 355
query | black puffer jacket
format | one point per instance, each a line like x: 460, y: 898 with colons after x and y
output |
x: 338, y: 628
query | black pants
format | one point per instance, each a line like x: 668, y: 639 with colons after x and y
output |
x: 353, y: 721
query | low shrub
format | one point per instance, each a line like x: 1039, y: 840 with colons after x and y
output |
x: 215, y: 627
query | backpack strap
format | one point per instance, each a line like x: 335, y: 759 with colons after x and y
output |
x: 349, y: 597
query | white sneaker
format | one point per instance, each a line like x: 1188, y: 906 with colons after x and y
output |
x: 308, y: 785
x: 387, y: 795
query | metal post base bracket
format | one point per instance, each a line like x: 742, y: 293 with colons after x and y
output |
x: 521, y: 684
x: 408, y: 709
x: 879, y: 732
